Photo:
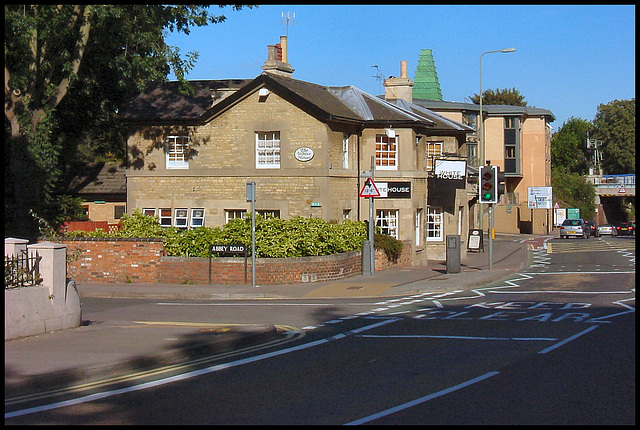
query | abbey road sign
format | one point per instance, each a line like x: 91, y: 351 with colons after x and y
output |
x: 369, y: 189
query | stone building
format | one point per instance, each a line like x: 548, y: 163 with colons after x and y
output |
x: 305, y: 145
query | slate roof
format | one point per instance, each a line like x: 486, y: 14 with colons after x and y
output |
x: 347, y: 104
x: 104, y: 180
x: 489, y: 109
x: 165, y: 102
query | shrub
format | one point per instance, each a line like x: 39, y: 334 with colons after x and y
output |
x: 275, y: 238
x: 391, y: 246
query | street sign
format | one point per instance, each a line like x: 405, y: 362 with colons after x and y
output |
x: 573, y: 213
x: 369, y: 189
x: 560, y: 214
x: 622, y: 190
x: 540, y: 197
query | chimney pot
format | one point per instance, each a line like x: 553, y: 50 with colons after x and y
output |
x: 285, y: 53
x: 403, y: 69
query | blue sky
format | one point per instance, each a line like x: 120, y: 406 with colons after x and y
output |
x: 569, y: 59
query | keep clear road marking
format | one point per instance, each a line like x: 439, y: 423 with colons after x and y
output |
x: 189, y: 375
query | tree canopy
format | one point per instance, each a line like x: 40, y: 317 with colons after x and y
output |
x: 69, y: 69
x: 510, y: 97
x: 568, y: 146
x: 574, y: 191
x: 615, y: 124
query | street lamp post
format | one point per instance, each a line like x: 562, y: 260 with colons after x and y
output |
x: 482, y: 151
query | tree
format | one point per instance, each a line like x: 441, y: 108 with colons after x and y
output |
x: 568, y: 146
x: 510, y: 97
x: 575, y: 191
x: 68, y: 70
x: 615, y: 124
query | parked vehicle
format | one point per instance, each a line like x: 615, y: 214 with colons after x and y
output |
x: 593, y: 230
x: 574, y: 227
x: 606, y: 229
x: 625, y: 229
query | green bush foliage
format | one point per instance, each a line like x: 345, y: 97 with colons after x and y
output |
x: 275, y: 238
x: 391, y: 246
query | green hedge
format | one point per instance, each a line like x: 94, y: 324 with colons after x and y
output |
x: 275, y: 238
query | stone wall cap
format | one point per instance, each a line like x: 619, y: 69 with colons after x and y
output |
x: 47, y: 245
x: 15, y: 240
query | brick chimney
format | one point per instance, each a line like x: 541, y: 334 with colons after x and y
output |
x: 399, y: 88
x: 277, y: 61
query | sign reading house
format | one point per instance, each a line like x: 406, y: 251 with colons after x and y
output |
x: 451, y: 172
x: 394, y: 190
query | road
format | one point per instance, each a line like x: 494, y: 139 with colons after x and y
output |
x: 553, y: 345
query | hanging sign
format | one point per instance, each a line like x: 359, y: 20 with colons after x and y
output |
x: 450, y: 169
x: 369, y: 189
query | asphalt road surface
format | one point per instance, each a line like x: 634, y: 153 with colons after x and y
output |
x: 553, y: 345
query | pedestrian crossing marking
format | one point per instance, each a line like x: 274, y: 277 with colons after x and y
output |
x: 586, y: 245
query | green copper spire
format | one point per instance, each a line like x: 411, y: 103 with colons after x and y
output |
x: 426, y: 84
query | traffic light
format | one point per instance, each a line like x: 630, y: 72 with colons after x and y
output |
x: 488, y: 184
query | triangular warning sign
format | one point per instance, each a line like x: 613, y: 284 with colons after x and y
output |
x: 622, y: 190
x: 369, y: 189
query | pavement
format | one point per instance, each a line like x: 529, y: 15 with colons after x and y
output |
x: 99, y: 350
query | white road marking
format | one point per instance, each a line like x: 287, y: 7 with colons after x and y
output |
x: 189, y: 375
x: 423, y: 399
x: 428, y: 336
x: 567, y: 340
x: 559, y: 292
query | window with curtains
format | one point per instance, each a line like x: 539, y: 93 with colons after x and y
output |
x: 177, y: 150
x: 268, y: 150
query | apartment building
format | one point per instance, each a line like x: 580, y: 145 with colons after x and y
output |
x: 518, y: 140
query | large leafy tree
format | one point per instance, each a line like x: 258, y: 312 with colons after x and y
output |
x: 510, y: 97
x: 68, y: 70
x: 574, y: 191
x: 616, y: 126
x: 568, y: 146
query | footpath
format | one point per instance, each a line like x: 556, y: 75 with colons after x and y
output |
x: 110, y: 349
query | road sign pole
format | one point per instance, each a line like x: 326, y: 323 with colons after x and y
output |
x: 372, y: 221
x: 251, y: 197
x: 371, y: 191
x: 491, y: 236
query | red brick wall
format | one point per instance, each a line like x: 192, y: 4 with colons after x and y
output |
x: 114, y: 260
x: 143, y: 261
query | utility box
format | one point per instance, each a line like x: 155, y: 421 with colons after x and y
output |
x: 453, y: 254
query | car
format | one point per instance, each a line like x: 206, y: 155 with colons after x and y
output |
x: 593, y: 230
x: 574, y: 227
x: 606, y: 229
x: 625, y: 229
